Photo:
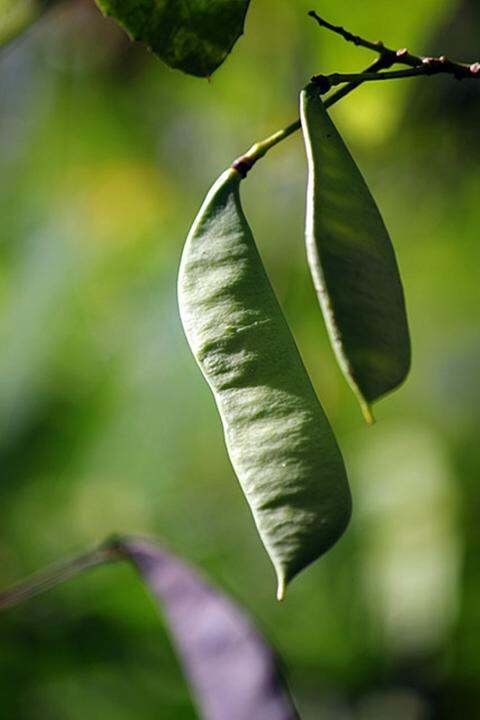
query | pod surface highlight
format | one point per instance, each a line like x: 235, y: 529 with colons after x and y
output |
x: 279, y: 440
x: 352, y: 262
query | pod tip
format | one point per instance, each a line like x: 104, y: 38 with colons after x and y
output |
x: 281, y: 589
x: 368, y: 413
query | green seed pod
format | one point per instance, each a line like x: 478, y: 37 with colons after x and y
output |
x: 352, y: 263
x: 279, y: 440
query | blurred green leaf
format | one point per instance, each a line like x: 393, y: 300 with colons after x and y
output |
x: 193, y: 36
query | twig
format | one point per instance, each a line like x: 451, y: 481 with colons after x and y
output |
x: 382, y: 63
x: 435, y: 65
x: 418, y: 66
x: 47, y: 579
x: 245, y: 163
x: 346, y: 35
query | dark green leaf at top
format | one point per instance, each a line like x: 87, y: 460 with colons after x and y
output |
x: 192, y: 35
x: 352, y: 262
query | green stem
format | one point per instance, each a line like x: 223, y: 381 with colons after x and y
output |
x: 244, y: 163
x: 259, y: 149
x: 57, y: 574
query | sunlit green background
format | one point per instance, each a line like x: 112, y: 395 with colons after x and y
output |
x: 106, y: 424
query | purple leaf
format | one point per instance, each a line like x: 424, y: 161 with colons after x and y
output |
x: 232, y: 670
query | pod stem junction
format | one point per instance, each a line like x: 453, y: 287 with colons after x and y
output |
x: 418, y: 66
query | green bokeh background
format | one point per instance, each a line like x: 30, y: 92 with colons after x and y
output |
x: 107, y: 426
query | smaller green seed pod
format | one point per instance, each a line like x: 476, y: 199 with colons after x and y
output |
x: 352, y: 262
x: 279, y: 440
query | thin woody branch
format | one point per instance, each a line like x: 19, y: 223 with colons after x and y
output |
x: 424, y: 65
x: 347, y: 35
x: 245, y: 163
x: 387, y: 57
x: 427, y: 69
x: 381, y: 63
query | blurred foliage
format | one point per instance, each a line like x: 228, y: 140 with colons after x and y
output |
x: 14, y: 16
x: 106, y: 424
x: 17, y: 15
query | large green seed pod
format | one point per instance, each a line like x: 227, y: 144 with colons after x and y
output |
x: 352, y: 263
x: 279, y: 440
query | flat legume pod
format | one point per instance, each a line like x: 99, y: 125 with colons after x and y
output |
x: 279, y: 440
x: 352, y: 263
x: 233, y: 672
